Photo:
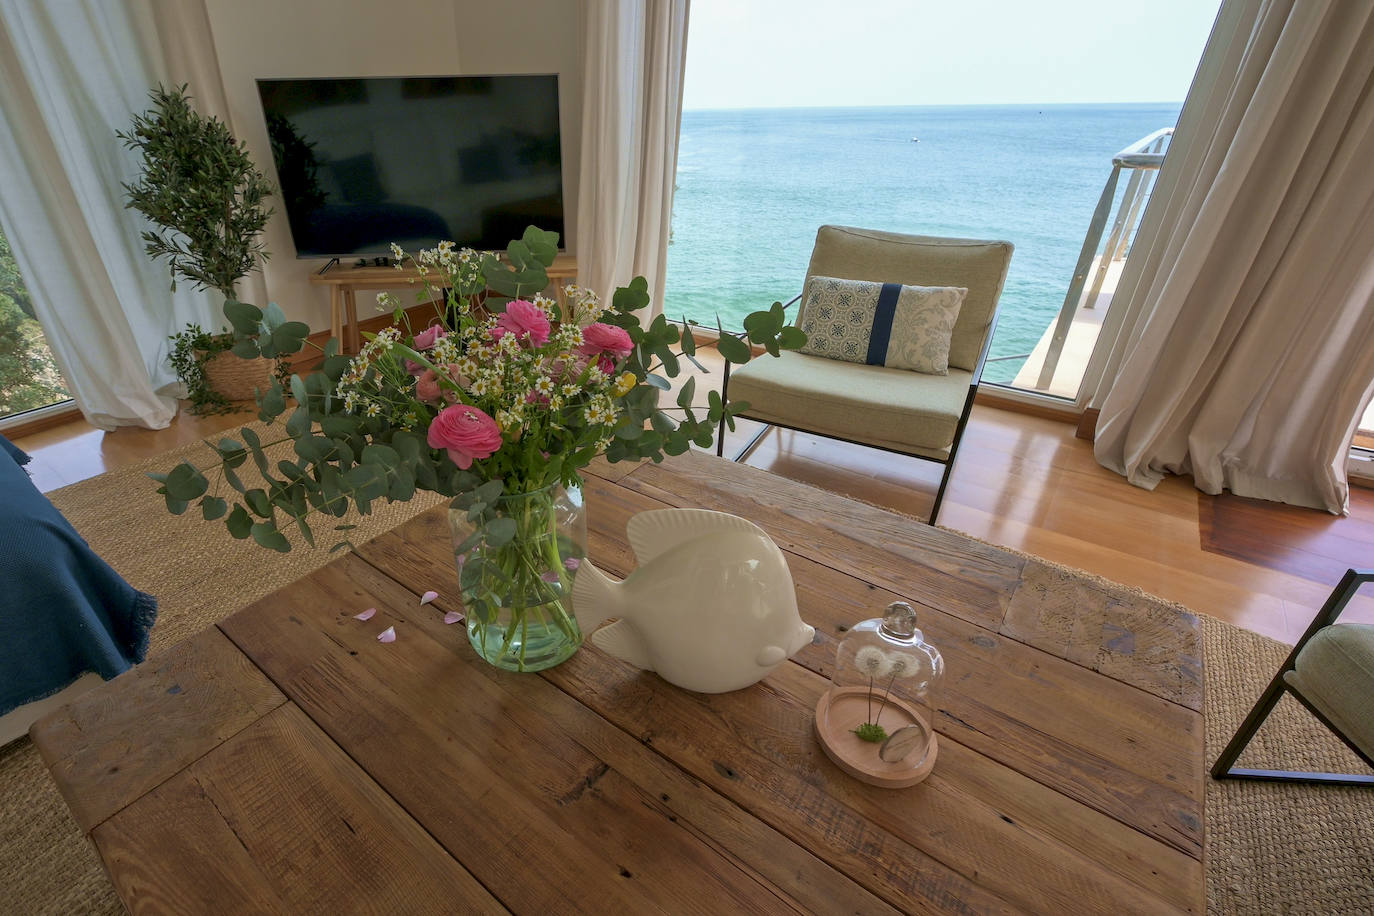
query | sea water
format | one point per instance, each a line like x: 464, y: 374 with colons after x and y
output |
x: 753, y: 186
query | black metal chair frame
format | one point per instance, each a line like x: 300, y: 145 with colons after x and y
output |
x: 953, y: 448
x: 1225, y: 767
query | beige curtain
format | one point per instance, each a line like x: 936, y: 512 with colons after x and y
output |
x: 1249, y: 353
x: 634, y: 52
x: 71, y: 74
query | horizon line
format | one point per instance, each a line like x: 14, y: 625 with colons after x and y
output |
x: 921, y: 105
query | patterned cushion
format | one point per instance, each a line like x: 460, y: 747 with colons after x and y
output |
x: 881, y: 324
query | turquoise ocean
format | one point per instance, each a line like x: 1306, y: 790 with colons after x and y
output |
x: 753, y: 185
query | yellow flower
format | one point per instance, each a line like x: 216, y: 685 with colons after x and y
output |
x: 625, y: 384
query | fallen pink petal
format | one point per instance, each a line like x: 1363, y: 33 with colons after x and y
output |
x: 572, y: 563
x: 427, y: 597
x: 365, y: 615
x: 549, y: 576
x: 453, y: 617
x: 387, y: 635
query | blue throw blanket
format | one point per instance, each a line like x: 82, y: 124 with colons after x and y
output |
x: 63, y: 610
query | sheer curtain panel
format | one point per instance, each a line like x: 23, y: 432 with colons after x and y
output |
x: 1249, y: 353
x: 71, y: 74
x: 632, y: 108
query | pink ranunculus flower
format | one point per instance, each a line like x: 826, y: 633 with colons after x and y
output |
x: 427, y: 338
x: 427, y: 387
x: 606, y: 341
x: 526, y: 321
x: 466, y: 432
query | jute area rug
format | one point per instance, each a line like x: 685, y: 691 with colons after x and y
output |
x: 1269, y: 849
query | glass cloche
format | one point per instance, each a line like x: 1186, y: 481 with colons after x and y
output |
x: 876, y: 720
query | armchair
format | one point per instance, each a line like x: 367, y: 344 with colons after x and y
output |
x: 891, y: 409
x: 1330, y: 672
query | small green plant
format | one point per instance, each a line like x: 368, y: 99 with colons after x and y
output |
x: 201, y: 188
x: 191, y: 350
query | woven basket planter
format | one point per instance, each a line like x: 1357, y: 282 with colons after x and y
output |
x: 236, y: 378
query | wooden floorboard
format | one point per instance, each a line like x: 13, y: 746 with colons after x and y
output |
x: 1314, y: 545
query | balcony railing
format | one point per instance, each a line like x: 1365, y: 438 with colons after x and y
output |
x: 1077, y: 323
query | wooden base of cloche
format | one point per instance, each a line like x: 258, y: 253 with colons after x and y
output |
x: 840, y: 711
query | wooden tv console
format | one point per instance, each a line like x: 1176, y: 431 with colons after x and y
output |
x: 344, y: 282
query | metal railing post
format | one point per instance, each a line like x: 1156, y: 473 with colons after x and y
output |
x: 1080, y: 277
x: 1142, y: 158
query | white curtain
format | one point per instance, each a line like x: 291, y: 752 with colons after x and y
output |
x: 634, y: 52
x: 72, y: 72
x: 1249, y: 353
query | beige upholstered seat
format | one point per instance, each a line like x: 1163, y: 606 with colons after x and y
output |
x: 893, y: 409
x: 1335, y: 673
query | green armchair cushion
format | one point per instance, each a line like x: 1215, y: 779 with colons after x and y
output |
x: 881, y: 324
x: 901, y: 411
x: 1335, y: 673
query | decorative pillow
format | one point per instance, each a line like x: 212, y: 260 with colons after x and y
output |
x: 882, y: 324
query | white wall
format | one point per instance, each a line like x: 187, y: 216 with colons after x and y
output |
x: 260, y: 39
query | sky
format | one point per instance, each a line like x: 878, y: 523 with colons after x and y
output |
x: 804, y: 53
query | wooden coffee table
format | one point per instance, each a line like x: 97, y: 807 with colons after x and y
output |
x: 285, y: 761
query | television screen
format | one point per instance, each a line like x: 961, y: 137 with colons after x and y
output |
x: 366, y: 162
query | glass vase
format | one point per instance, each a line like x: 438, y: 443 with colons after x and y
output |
x: 518, y: 592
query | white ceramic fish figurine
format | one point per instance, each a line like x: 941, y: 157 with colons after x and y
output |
x: 711, y: 607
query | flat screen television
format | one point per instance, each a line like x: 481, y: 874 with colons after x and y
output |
x: 366, y: 162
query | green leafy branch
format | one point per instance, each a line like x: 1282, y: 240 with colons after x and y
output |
x: 200, y: 187
x: 344, y: 461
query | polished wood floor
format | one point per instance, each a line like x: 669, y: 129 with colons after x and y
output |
x: 1020, y: 481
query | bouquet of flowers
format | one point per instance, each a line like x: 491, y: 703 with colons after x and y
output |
x: 498, y: 401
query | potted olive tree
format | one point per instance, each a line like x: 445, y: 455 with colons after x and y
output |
x: 205, y: 197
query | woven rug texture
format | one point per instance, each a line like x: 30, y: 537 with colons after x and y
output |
x: 1268, y: 848
x: 1271, y: 847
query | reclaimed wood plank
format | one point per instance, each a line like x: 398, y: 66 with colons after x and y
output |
x: 607, y: 471
x: 1119, y: 749
x: 954, y: 574
x: 1109, y: 629
x: 809, y: 882
x: 1116, y: 748
x: 280, y: 820
x: 933, y: 846
x: 193, y: 696
x: 915, y: 560
x: 477, y: 767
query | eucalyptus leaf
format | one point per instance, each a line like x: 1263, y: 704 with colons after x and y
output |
x: 244, y: 317
x: 267, y: 535
x: 500, y: 531
x: 689, y: 342
x: 239, y: 523
x: 298, y: 424
x: 257, y: 501
x: 186, y: 482
x: 733, y: 349
x: 688, y: 392
x: 212, y: 508
x: 273, y: 316
x: 791, y: 338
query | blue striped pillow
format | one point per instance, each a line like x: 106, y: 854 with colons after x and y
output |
x: 881, y: 324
